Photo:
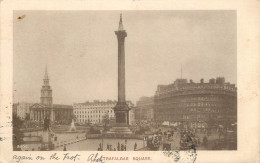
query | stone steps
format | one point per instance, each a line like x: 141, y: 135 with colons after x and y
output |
x: 120, y: 130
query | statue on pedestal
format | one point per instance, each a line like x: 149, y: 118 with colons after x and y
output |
x: 46, y: 124
x: 46, y: 135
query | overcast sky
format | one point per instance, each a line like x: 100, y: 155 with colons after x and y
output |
x: 80, y: 49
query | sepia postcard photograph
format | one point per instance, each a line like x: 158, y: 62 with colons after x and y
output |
x: 135, y: 82
x: 124, y: 81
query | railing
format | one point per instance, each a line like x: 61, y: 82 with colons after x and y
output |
x: 31, y: 129
x: 111, y: 136
x: 69, y: 141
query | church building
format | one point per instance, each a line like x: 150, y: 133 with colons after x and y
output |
x: 59, y: 114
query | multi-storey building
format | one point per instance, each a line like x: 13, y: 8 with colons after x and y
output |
x: 22, y: 109
x: 96, y: 112
x: 196, y: 105
x: 15, y: 108
x: 144, y: 109
x: 61, y: 114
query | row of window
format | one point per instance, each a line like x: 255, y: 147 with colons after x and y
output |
x: 194, y: 116
x: 212, y: 110
x: 199, y: 104
x: 197, y: 87
x: 97, y: 106
x: 90, y: 116
x: 90, y: 112
x: 91, y: 120
x: 200, y: 91
x: 91, y: 107
x: 187, y: 117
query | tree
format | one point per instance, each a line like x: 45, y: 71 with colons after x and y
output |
x: 27, y: 116
x: 74, y: 117
x: 17, y: 134
x: 105, y: 121
x: 106, y: 118
x: 227, y: 123
x: 93, y: 131
x: 212, y: 123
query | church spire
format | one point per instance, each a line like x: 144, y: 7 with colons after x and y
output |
x: 46, y: 72
x: 121, y: 27
x: 46, y: 92
x: 46, y: 77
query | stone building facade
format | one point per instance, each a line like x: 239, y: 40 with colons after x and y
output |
x: 95, y: 112
x: 144, y: 109
x: 196, y: 105
x: 22, y: 109
x: 60, y: 114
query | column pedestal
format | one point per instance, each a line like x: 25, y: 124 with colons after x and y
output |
x: 121, y: 113
x: 46, y: 141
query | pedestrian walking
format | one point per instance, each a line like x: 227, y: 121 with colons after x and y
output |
x: 122, y: 147
x: 199, y: 141
x: 135, y: 147
x: 118, y: 146
x: 205, y: 141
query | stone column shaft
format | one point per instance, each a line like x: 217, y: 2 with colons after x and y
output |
x: 121, y: 107
x: 121, y: 69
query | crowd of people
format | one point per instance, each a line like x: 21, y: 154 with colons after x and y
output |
x: 119, y: 147
x: 189, y: 140
x: 154, y: 142
x: 176, y: 137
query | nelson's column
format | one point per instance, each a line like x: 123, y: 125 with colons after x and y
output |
x: 121, y: 109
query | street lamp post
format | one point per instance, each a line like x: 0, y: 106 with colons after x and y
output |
x: 102, y: 139
x: 143, y: 141
x: 125, y: 143
x: 37, y: 129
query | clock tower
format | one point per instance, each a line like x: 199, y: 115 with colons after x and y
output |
x: 46, y: 91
